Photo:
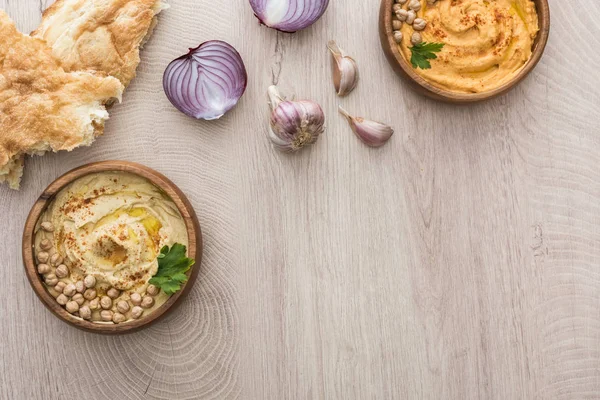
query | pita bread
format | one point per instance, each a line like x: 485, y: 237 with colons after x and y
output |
x: 99, y: 35
x: 42, y: 107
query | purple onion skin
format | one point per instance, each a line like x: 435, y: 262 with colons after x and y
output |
x: 207, y: 82
x: 300, y: 14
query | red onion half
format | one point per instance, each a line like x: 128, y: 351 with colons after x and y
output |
x: 288, y: 15
x: 207, y: 82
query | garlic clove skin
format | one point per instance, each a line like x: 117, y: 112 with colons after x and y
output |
x: 371, y: 133
x: 345, y: 70
x: 294, y: 124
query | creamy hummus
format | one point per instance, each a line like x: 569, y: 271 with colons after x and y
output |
x: 486, y: 42
x: 111, y: 226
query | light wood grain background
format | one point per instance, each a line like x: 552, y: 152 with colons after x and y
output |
x: 461, y: 261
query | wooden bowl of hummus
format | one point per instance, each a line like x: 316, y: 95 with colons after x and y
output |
x: 463, y: 51
x: 111, y: 247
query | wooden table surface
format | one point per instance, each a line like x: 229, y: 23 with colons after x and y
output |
x: 460, y: 261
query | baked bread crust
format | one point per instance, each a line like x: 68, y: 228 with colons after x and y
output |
x: 42, y: 107
x: 99, y: 35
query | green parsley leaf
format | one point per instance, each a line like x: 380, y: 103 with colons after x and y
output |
x: 423, y: 52
x: 172, y: 266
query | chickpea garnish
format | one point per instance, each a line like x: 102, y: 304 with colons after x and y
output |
x: 79, y: 286
x: 113, y: 293
x: 45, y: 244
x: 60, y: 286
x: 90, y: 294
x: 56, y: 259
x: 62, y: 271
x: 62, y: 299
x: 106, y: 315
x: 47, y: 226
x: 123, y: 306
x: 414, y: 5
x: 105, y: 302
x: 69, y: 290
x: 416, y: 38
x: 51, y: 280
x: 147, y: 302
x: 72, y: 307
x: 419, y: 24
x: 136, y: 312
x: 89, y: 281
x: 152, y: 290
x: 43, y: 256
x: 78, y: 298
x: 85, y: 312
x: 43, y: 269
x: 136, y: 299
x: 95, y: 304
x: 118, y: 318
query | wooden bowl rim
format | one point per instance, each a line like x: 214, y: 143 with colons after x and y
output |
x: 195, y: 246
x: 405, y: 70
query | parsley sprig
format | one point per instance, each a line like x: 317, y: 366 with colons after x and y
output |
x: 172, y: 266
x: 423, y: 52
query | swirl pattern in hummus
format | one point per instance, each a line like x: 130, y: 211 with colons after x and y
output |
x: 112, y: 226
x: 486, y: 42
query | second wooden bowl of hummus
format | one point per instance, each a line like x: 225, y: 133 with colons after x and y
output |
x: 111, y: 247
x: 463, y: 51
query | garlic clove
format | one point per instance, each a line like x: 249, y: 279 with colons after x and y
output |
x: 345, y: 70
x: 372, y: 133
x: 294, y: 124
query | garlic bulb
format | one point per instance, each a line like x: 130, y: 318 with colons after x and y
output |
x: 374, y: 134
x: 345, y: 70
x: 294, y: 124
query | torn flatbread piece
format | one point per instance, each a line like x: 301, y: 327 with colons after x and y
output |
x: 99, y: 35
x: 42, y: 107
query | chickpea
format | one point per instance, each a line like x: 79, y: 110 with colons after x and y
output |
x: 56, y: 259
x: 90, y: 294
x: 396, y: 25
x: 43, y: 269
x: 62, y: 271
x: 113, y: 293
x: 72, y: 307
x: 85, y: 312
x: 401, y: 1
x: 80, y: 286
x: 402, y: 15
x: 105, y: 302
x: 62, y: 299
x: 60, y: 286
x: 147, y: 302
x: 396, y: 7
x: 69, y: 289
x: 51, y: 280
x: 136, y: 312
x: 89, y: 281
x: 414, y: 5
x: 118, y: 318
x: 95, y: 304
x: 106, y: 315
x: 47, y: 226
x: 416, y: 38
x: 123, y: 306
x: 136, y: 299
x: 398, y: 37
x: 45, y: 244
x: 78, y: 298
x: 43, y: 256
x: 419, y: 24
x: 410, y: 18
x: 152, y: 290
